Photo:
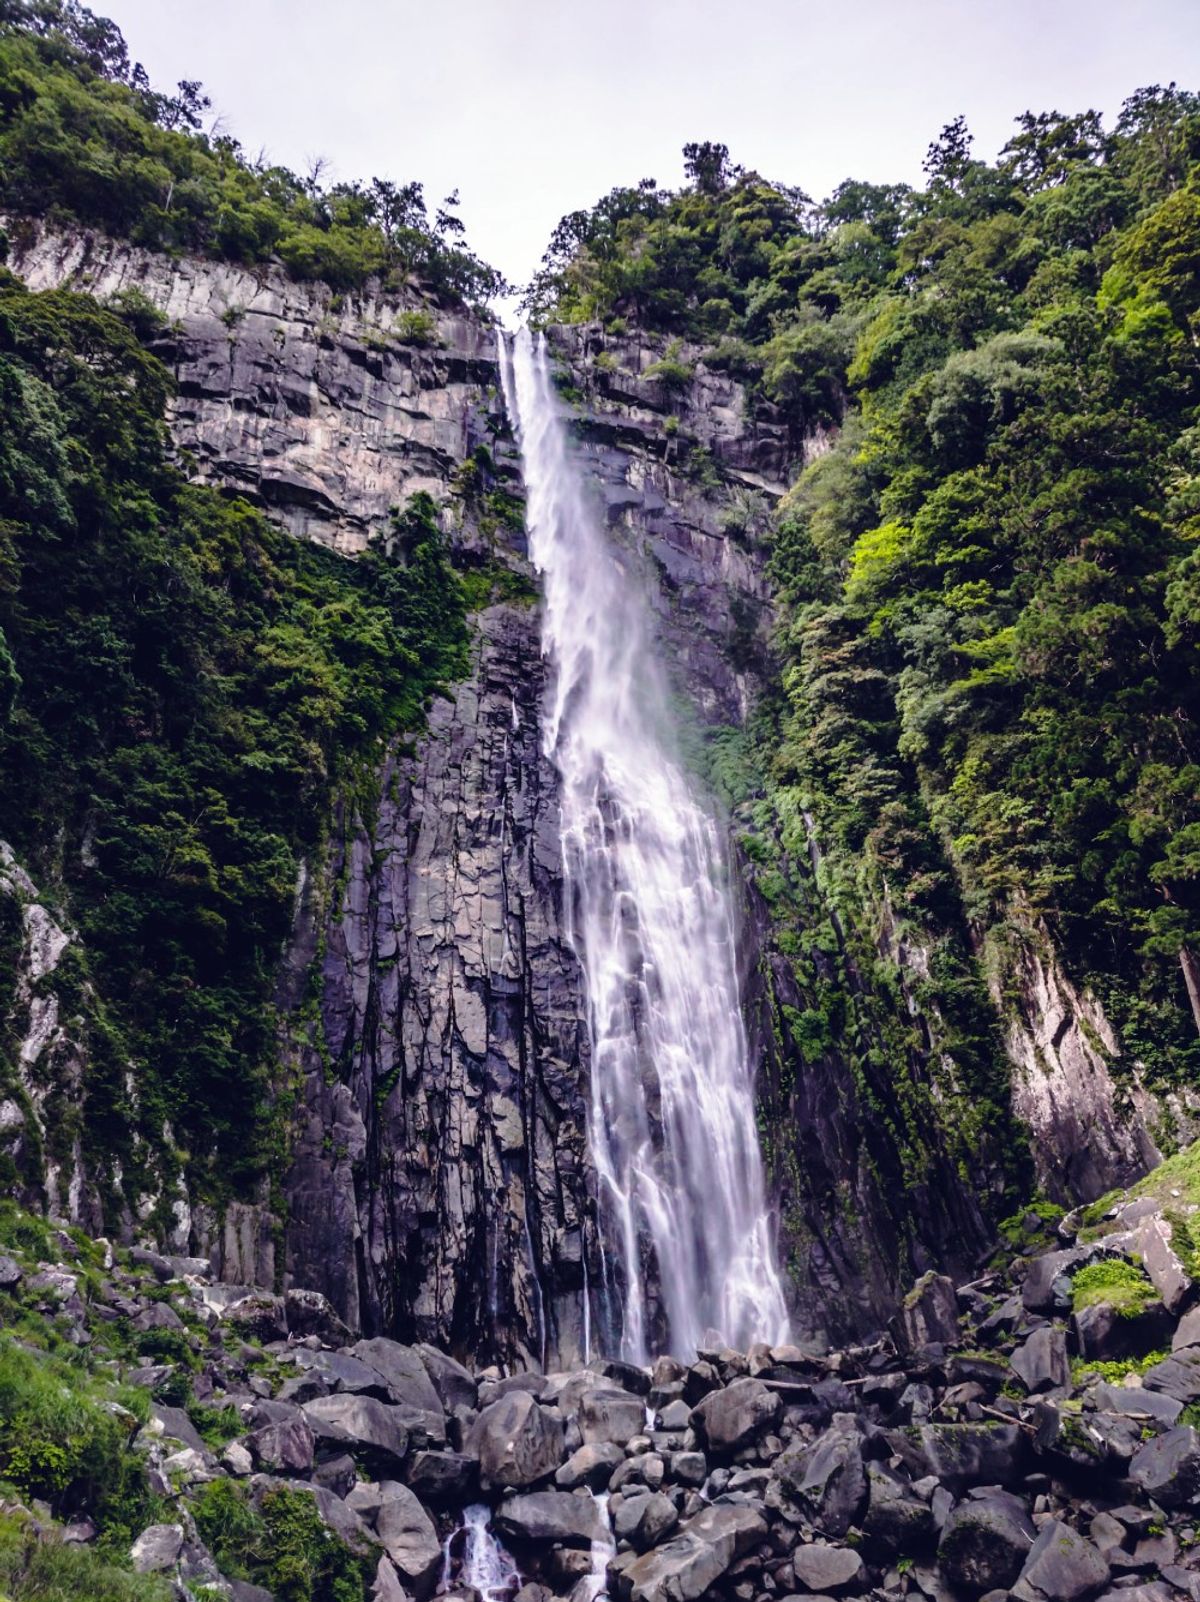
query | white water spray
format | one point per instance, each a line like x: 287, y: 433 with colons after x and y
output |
x: 672, y: 1105
x: 483, y: 1565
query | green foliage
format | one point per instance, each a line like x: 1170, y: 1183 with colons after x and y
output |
x: 84, y: 139
x: 61, y: 1440
x: 1115, y: 1373
x: 1120, y: 1284
x: 215, y: 1425
x: 984, y: 740
x: 38, y: 1570
x: 280, y: 1543
x: 194, y: 686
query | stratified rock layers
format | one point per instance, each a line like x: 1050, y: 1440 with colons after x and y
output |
x: 439, y: 1181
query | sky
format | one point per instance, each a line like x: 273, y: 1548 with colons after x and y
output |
x: 533, y: 108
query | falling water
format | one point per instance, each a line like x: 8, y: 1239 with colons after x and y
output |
x: 482, y: 1564
x: 672, y: 1107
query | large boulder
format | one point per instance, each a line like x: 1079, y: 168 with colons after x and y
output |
x: 1041, y: 1363
x: 962, y: 1455
x: 360, y: 1422
x: 516, y: 1441
x: 608, y: 1414
x: 1163, y: 1264
x: 455, y: 1384
x: 728, y: 1419
x: 442, y: 1477
x: 689, y: 1565
x: 1177, y: 1375
x: 408, y: 1386
x: 590, y: 1465
x: 1168, y: 1467
x: 896, y: 1522
x: 309, y: 1313
x: 409, y: 1538
x: 823, y: 1568
x: 286, y: 1447
x: 1105, y: 1334
x: 1062, y: 1566
x: 985, y: 1542
x: 405, y: 1374
x: 828, y: 1479
x: 259, y: 1315
x: 560, y: 1517
x: 644, y: 1520
x: 1047, y: 1284
x: 929, y: 1315
x: 156, y: 1548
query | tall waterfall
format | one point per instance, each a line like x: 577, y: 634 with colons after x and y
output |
x: 672, y: 1126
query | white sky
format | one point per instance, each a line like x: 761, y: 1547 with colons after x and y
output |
x: 532, y: 108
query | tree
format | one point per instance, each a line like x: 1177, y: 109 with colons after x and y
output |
x: 948, y: 158
x: 707, y: 167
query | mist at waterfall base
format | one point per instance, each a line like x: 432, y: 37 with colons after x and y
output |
x: 672, y: 1131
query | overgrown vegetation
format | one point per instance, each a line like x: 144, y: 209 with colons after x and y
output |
x: 279, y: 1542
x: 85, y: 139
x: 185, y: 688
x: 986, y: 717
x: 1115, y: 1282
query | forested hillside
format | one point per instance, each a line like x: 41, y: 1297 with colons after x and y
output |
x: 988, y: 570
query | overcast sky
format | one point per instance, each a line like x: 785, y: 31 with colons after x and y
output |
x: 532, y: 108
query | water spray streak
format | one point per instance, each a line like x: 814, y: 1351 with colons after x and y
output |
x: 672, y: 1109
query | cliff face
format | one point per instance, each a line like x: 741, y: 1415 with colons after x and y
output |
x: 434, y: 1026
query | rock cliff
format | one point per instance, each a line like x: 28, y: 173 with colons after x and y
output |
x: 433, y: 1019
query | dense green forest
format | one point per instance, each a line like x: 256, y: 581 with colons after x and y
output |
x: 85, y: 139
x: 989, y: 569
x: 183, y: 686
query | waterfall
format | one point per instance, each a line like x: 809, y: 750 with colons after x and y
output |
x: 671, y: 1119
x: 482, y: 1564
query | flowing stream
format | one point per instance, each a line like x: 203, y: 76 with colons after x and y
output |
x: 474, y: 1558
x: 672, y: 1126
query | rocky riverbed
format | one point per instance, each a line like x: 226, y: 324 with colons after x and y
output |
x: 1032, y: 1432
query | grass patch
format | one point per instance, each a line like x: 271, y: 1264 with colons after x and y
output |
x: 45, y: 1571
x: 1118, y: 1283
x: 280, y: 1543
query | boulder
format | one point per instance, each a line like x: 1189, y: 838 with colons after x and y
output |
x: 1105, y: 1335
x: 156, y: 1548
x: 646, y: 1520
x: 257, y: 1316
x: 1168, y: 1467
x: 727, y: 1419
x: 387, y: 1585
x: 929, y: 1315
x: 1162, y: 1264
x: 686, y: 1567
x: 1047, y: 1284
x: 985, y: 1542
x: 962, y: 1455
x: 404, y: 1373
x: 1177, y: 1375
x: 359, y: 1421
x: 283, y: 1448
x: 1187, y: 1331
x: 159, y: 1315
x: 823, y: 1568
x: 556, y: 1516
x: 1135, y: 1401
x: 611, y: 1415
x: 410, y: 1540
x: 590, y: 1465
x: 442, y: 1477
x: 309, y: 1313
x: 454, y: 1384
x: 341, y: 1372
x: 517, y: 1441
x: 896, y: 1522
x: 828, y: 1479
x: 1041, y: 1363
x: 1062, y: 1566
